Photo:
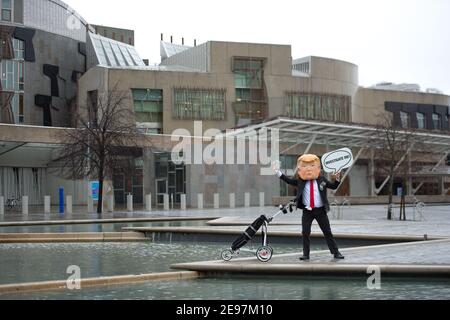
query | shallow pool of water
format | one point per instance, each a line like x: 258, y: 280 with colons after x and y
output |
x: 43, y: 262
x: 115, y: 227
x: 259, y: 288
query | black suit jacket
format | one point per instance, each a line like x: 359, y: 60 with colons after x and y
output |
x: 300, y: 185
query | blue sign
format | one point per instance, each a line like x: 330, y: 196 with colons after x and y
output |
x: 61, y: 200
x: 95, y: 187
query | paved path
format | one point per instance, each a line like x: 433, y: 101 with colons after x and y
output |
x: 430, y: 258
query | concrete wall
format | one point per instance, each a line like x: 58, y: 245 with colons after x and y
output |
x: 226, y: 179
x: 359, y: 181
x: 58, y: 51
x: 369, y: 103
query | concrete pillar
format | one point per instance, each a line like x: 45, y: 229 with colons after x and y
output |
x: 2, y: 205
x: 200, y: 201
x: 166, y: 202
x: 47, y: 204
x: 148, y: 202
x: 110, y: 202
x: 262, y: 199
x: 183, y: 202
x: 130, y: 203
x: 25, y: 205
x: 90, y: 204
x: 441, y: 185
x: 232, y: 200
x: 247, y: 200
x: 372, y: 185
x: 216, y: 201
x: 69, y: 204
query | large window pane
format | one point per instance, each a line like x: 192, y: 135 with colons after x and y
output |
x: 199, y: 104
x: 148, y: 105
x: 318, y: 107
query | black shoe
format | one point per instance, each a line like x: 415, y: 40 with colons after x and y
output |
x: 339, y: 256
x: 304, y: 258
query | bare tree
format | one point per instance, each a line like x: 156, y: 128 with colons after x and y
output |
x: 393, y: 157
x: 105, y: 138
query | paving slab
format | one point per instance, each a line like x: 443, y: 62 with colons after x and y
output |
x: 427, y: 258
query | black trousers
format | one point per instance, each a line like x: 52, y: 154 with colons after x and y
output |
x: 320, y: 215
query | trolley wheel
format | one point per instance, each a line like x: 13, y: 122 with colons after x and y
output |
x: 227, y: 255
x: 264, y: 254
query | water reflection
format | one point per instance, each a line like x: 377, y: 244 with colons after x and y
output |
x: 43, y: 262
x: 261, y: 288
x: 116, y: 227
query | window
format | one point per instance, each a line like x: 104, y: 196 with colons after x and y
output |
x: 12, y: 76
x: 7, y: 10
x: 19, y: 49
x: 421, y: 123
x: 405, y: 120
x: 251, y: 102
x: 332, y: 108
x: 21, y: 109
x: 248, y: 73
x: 199, y: 104
x: 148, y: 105
x: 437, y: 121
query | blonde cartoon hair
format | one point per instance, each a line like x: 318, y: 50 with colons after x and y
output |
x: 306, y: 158
x: 309, y: 158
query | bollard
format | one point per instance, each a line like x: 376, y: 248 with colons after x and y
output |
x: 130, y: 203
x: 69, y: 204
x: 247, y: 200
x: 166, y: 202
x: 183, y: 202
x: 216, y: 201
x: 110, y: 202
x: 25, y: 205
x: 232, y: 200
x: 47, y: 204
x: 2, y: 205
x: 90, y: 204
x: 200, y: 201
x: 262, y: 199
x: 148, y: 202
x: 61, y: 200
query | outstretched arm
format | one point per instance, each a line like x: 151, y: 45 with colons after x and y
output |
x: 292, y: 182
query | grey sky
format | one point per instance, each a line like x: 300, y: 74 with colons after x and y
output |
x: 401, y: 41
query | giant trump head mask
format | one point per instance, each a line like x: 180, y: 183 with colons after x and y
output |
x: 308, y: 167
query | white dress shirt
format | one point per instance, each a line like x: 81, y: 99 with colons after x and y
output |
x: 318, y: 203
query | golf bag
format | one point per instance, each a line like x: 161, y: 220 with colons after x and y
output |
x: 249, y: 233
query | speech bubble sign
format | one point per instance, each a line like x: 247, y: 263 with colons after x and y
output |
x: 338, y: 160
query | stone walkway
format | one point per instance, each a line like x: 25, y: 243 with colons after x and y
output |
x: 430, y: 258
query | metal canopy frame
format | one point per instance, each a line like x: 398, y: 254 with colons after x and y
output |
x: 292, y: 131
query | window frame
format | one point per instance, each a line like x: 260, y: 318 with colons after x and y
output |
x: 10, y: 10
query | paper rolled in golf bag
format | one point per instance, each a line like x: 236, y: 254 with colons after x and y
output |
x: 249, y: 233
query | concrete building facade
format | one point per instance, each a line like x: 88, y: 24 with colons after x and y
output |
x: 53, y: 62
x: 226, y: 85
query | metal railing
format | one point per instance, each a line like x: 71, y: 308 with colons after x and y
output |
x: 338, y: 209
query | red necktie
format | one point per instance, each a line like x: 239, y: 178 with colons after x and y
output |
x: 311, y: 195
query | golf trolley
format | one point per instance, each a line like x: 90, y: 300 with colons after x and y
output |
x: 265, y: 252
